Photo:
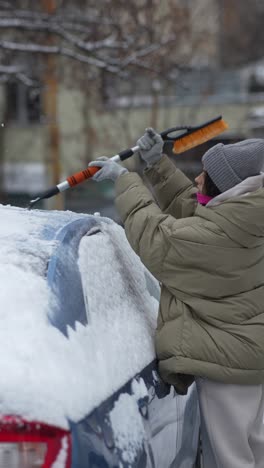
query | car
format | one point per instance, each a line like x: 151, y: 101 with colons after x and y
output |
x: 79, y: 381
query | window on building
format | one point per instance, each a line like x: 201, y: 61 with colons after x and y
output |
x: 23, y: 104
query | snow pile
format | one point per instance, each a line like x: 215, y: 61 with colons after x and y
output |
x: 127, y: 423
x: 44, y: 375
x: 128, y: 427
x: 139, y: 389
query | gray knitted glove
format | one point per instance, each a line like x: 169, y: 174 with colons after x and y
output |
x: 110, y: 169
x: 151, y: 145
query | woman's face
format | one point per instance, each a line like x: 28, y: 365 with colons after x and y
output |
x: 199, y: 180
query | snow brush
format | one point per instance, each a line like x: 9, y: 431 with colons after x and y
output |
x: 189, y: 138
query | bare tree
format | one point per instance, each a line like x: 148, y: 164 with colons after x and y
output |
x: 100, y: 46
x: 110, y: 35
x: 88, y: 44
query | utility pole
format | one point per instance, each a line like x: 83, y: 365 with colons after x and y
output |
x: 50, y: 109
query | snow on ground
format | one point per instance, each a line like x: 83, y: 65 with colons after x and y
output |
x: 44, y: 375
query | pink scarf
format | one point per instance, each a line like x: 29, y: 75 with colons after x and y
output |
x: 203, y: 199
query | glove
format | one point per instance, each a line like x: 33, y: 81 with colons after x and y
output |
x: 151, y: 145
x: 110, y: 169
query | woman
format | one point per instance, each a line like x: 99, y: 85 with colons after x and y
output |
x: 206, y: 247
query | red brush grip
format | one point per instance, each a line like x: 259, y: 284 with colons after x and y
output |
x: 79, y: 177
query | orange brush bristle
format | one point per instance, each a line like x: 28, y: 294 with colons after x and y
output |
x: 198, y: 135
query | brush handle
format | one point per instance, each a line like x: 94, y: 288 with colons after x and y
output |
x: 123, y: 155
x: 166, y: 133
x: 87, y: 173
x: 47, y: 194
x: 81, y: 176
x: 50, y: 192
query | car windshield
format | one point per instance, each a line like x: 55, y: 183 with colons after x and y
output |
x: 62, y: 377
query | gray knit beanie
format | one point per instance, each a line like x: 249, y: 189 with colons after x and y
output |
x: 228, y: 165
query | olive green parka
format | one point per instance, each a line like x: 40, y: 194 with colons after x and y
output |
x: 210, y: 262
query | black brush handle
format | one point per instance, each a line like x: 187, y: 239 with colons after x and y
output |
x: 49, y: 193
x: 164, y: 135
x: 126, y: 154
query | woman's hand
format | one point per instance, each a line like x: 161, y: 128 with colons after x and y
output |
x: 110, y: 169
x: 151, y: 145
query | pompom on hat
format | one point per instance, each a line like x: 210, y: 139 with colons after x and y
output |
x: 228, y: 165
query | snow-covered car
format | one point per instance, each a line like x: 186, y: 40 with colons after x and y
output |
x: 79, y: 385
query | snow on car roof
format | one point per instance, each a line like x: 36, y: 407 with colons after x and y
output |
x: 46, y: 376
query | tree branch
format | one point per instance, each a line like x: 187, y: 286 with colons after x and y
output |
x: 58, y: 29
x: 72, y: 19
x: 90, y: 36
x: 57, y: 50
x: 18, y: 73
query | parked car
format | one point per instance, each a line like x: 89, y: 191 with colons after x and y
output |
x: 79, y: 385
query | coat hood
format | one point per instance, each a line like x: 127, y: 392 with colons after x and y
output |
x: 240, y: 211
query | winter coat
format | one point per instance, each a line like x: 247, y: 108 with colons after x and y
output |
x: 210, y: 261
